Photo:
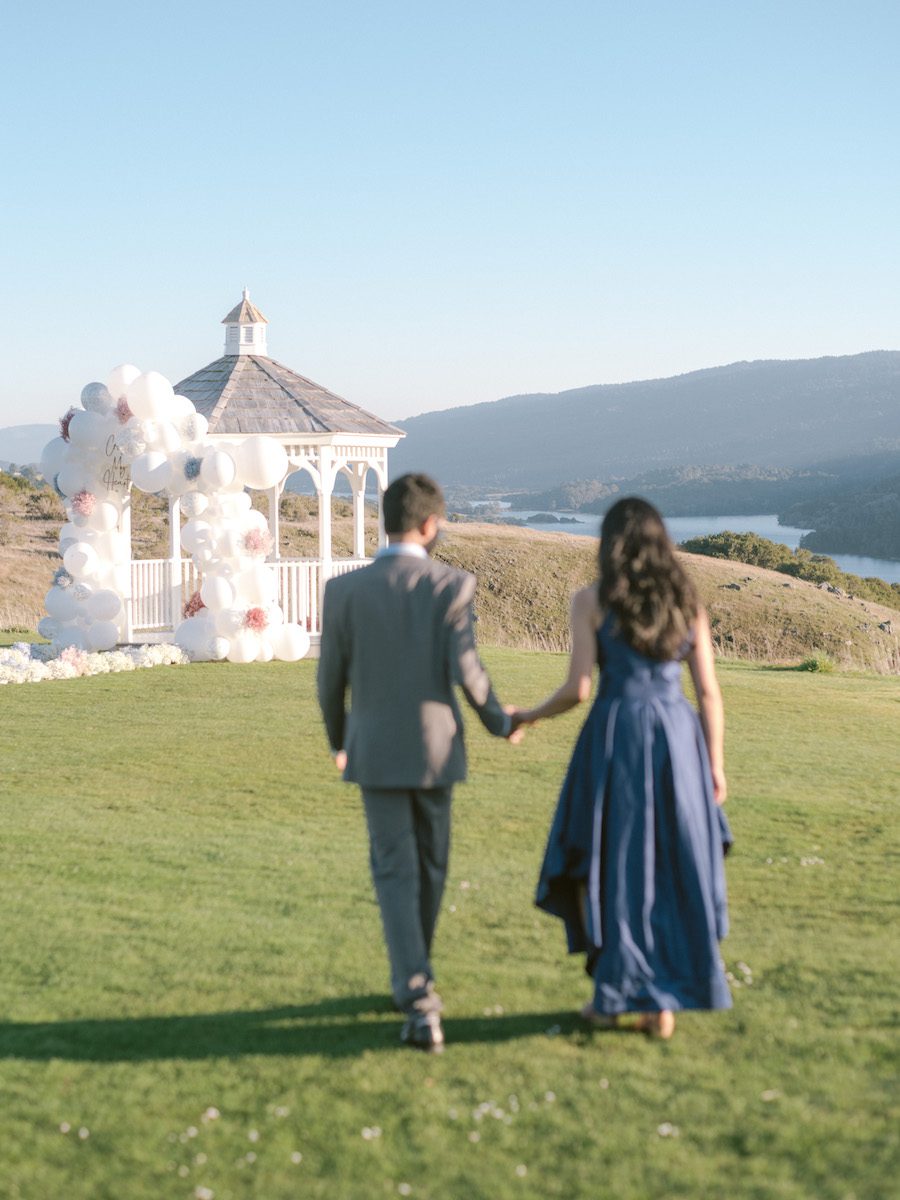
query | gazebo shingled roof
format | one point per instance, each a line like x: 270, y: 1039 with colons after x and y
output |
x: 247, y: 393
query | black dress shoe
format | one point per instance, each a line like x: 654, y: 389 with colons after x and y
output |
x: 423, y: 1031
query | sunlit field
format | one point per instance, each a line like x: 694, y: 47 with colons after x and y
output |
x: 194, y: 989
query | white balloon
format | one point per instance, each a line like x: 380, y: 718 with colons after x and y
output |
x: 243, y: 647
x: 168, y: 437
x: 72, y: 477
x: 71, y: 635
x: 194, y: 504
x: 105, y: 516
x: 150, y: 396
x: 104, y: 605
x: 115, y: 547
x: 151, y: 471
x: 229, y: 543
x: 178, y: 485
x: 195, y: 634
x: 48, y: 628
x: 275, y: 614
x: 254, y: 519
x: 102, y: 635
x: 182, y: 408
x: 185, y: 637
x: 88, y: 430
x: 195, y: 533
x: 80, y: 560
x: 53, y: 457
x: 205, y: 622
x: 194, y: 426
x: 233, y: 505
x: 217, y: 470
x: 266, y: 653
x: 217, y: 593
x: 228, y: 621
x: 96, y: 397
x: 120, y: 378
x: 261, y: 462
x: 289, y: 642
x: 60, y: 604
x: 218, y: 648
x: 256, y: 586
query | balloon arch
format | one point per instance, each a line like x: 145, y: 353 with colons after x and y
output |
x: 134, y: 431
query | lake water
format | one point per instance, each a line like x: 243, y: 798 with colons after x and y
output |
x: 765, y: 524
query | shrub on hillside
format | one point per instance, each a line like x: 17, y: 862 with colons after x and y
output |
x: 44, y: 506
x: 801, y: 564
x: 819, y: 663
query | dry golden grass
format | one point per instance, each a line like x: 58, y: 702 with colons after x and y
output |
x: 30, y: 521
x: 525, y: 579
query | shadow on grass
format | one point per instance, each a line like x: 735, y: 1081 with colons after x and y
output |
x: 337, y: 1028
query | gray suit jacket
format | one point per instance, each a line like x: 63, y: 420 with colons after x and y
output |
x: 399, y: 633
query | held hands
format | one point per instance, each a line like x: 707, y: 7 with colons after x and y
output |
x: 518, y: 721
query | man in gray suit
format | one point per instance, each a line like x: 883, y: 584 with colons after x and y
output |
x: 399, y: 633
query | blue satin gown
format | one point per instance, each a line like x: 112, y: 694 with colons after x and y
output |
x: 637, y: 827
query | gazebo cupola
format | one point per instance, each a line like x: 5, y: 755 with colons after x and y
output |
x: 245, y: 329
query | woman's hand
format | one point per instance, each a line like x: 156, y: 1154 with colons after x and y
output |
x: 720, y: 787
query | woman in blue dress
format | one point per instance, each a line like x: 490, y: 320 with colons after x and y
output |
x: 634, y: 861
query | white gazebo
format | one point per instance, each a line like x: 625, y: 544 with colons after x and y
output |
x: 244, y: 393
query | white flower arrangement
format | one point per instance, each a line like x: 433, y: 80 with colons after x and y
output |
x: 27, y: 663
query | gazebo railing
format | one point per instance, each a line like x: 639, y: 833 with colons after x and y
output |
x: 300, y: 583
x: 156, y: 596
x: 154, y: 608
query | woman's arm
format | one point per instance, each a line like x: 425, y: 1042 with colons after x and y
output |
x: 584, y: 618
x: 701, y: 661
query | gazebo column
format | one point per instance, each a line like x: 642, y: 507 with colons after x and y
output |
x: 379, y: 466
x: 357, y: 474
x: 274, y: 494
x: 175, y: 558
x: 324, y: 488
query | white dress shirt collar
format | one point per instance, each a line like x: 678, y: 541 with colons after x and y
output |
x: 410, y: 549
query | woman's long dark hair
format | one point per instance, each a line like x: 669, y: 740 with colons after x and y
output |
x: 642, y: 582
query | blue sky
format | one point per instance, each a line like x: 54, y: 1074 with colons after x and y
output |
x: 444, y: 204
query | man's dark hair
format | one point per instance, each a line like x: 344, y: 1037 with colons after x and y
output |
x: 410, y: 501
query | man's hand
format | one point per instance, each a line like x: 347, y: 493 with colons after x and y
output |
x: 340, y: 760
x: 516, y: 730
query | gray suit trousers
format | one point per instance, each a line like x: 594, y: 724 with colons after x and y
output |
x: 409, y: 848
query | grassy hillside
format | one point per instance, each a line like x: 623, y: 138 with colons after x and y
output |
x: 190, y: 926
x: 525, y: 579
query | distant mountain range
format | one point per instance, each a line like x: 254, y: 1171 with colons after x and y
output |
x: 768, y: 413
x: 23, y: 444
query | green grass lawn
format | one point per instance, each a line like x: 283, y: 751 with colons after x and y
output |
x: 188, y: 924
